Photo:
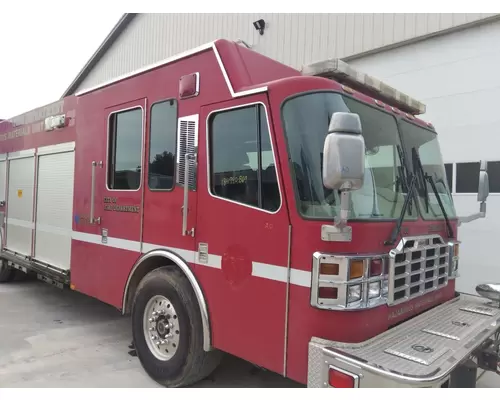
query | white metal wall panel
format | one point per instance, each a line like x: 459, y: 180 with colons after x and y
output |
x: 54, y: 208
x: 294, y: 39
x: 20, y: 205
x: 457, y: 77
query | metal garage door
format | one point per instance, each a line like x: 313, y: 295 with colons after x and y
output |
x: 456, y: 76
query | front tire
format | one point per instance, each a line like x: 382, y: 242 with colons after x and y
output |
x: 167, y: 330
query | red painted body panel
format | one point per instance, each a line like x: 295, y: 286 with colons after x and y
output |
x: 247, y: 313
x: 248, y: 309
x: 368, y: 237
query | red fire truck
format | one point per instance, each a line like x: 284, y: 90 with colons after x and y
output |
x: 300, y: 220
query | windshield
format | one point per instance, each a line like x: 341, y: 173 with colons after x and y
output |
x: 425, y: 142
x: 306, y: 119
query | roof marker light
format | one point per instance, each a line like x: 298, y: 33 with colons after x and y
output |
x: 345, y: 74
x: 347, y: 89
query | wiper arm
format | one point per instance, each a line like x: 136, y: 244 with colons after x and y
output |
x: 404, y: 176
x: 427, y: 177
x: 397, y: 227
x: 445, y: 215
x: 418, y: 164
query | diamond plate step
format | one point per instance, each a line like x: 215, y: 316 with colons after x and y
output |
x: 425, y: 346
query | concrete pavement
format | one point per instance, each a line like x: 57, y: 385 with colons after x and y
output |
x: 54, y: 338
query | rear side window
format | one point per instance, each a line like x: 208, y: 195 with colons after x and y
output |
x: 162, y: 144
x: 242, y: 167
x: 124, y: 150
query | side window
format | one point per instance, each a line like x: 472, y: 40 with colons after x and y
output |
x: 124, y: 150
x: 162, y: 142
x: 241, y: 158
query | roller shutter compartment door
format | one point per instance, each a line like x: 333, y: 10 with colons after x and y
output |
x: 54, y: 209
x: 20, y: 205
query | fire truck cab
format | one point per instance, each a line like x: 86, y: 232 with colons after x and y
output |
x: 300, y: 220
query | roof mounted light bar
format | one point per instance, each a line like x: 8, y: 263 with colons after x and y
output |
x: 343, y: 73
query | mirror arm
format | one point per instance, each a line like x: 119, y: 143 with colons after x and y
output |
x: 345, y: 199
x: 339, y: 231
x: 473, y: 217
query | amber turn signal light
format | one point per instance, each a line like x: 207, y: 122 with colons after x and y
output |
x: 329, y: 269
x: 356, y: 270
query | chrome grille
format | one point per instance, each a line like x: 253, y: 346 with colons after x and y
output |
x: 418, y: 265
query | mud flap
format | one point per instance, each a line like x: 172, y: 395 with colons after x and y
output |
x: 464, y: 375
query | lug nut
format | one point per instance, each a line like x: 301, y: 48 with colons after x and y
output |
x: 163, y: 342
x: 151, y: 329
x: 154, y: 337
x: 154, y: 314
x: 157, y: 343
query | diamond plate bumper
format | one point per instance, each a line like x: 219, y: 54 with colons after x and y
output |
x: 421, y: 352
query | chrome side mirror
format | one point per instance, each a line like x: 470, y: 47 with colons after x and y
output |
x: 484, y: 185
x: 344, y: 153
x: 343, y: 168
x: 483, y: 191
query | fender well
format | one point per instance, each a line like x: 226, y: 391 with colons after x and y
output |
x: 159, y: 258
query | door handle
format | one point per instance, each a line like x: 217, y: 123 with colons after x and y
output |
x: 185, y: 232
x: 92, y: 194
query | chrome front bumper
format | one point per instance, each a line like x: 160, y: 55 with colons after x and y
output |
x: 421, y: 352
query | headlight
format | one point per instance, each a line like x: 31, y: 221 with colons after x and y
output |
x: 354, y: 293
x: 373, y: 290
x: 343, y: 282
x: 385, y: 287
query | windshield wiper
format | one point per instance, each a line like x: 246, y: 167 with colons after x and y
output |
x: 422, y: 175
x: 417, y: 163
x: 397, y: 227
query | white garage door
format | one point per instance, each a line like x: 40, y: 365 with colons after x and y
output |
x: 457, y: 77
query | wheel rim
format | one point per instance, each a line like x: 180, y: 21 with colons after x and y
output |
x: 161, y: 328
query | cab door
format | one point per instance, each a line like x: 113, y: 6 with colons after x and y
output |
x: 242, y: 231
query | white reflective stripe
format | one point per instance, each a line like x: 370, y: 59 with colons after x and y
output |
x: 187, y: 255
x: 267, y: 271
x: 213, y: 261
x: 300, y: 277
x: 54, y: 229
x: 20, y: 222
x: 277, y: 273
x: 111, y: 242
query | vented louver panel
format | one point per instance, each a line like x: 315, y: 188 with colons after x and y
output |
x: 187, y: 142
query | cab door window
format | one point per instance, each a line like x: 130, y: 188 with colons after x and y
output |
x: 242, y: 163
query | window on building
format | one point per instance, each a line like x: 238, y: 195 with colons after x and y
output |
x: 162, y: 144
x: 125, y: 148
x: 494, y: 176
x: 241, y: 159
x: 449, y: 175
x: 467, y: 177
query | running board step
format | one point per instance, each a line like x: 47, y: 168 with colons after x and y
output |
x: 45, y: 272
